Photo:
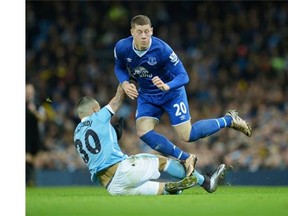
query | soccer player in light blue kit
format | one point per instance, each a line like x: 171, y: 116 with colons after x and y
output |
x: 161, y: 78
x: 96, y: 142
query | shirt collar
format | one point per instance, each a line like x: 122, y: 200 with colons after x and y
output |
x: 140, y: 53
x: 84, y: 119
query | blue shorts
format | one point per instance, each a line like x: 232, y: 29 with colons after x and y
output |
x: 175, y: 103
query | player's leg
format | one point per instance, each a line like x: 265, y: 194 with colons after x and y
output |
x: 147, y: 117
x: 207, y: 127
x: 178, y: 110
x: 175, y: 169
x: 172, y: 167
x: 158, y: 141
x: 133, y: 176
x: 210, y: 183
x: 145, y: 166
x: 201, y: 129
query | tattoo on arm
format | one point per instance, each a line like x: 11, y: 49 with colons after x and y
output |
x: 116, y: 102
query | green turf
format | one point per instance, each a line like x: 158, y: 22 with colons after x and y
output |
x: 96, y: 201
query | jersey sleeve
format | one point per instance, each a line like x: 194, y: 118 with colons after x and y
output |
x: 120, y: 69
x: 105, y: 114
x: 175, y: 66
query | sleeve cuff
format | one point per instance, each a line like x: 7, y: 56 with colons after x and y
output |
x: 110, y: 109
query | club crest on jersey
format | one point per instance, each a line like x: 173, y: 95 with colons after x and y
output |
x: 152, y: 61
x: 141, y: 72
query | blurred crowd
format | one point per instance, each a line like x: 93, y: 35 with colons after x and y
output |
x: 236, y: 54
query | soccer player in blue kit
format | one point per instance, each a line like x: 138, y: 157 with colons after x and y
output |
x: 161, y: 78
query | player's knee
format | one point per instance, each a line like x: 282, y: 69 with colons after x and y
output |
x: 140, y: 132
x: 183, y: 131
x: 184, y: 137
x: 144, y: 125
x: 162, y: 162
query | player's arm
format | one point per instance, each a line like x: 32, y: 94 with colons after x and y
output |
x: 117, y: 100
x: 123, y: 75
x: 181, y: 77
x: 176, y: 67
x: 113, y: 106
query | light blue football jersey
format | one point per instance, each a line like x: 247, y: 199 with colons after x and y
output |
x: 96, y: 141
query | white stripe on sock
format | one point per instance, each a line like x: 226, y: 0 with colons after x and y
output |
x: 167, y: 164
x: 180, y: 155
x: 224, y: 121
x: 218, y: 123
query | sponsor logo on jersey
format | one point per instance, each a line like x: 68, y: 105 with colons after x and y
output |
x: 152, y: 61
x: 141, y: 72
x: 173, y: 58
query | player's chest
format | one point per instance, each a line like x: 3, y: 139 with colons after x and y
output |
x: 149, y: 61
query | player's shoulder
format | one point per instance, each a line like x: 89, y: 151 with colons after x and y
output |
x: 125, y: 42
x: 160, y: 43
x: 158, y: 40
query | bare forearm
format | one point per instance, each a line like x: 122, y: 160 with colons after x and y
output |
x: 117, y: 100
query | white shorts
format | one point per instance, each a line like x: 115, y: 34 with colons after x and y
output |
x: 133, y: 176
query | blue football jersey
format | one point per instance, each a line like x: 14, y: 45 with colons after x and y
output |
x: 158, y: 60
x: 96, y: 142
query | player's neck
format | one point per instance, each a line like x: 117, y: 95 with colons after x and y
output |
x: 139, y: 48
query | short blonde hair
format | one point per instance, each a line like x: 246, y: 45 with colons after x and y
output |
x: 140, y: 20
x: 84, y: 106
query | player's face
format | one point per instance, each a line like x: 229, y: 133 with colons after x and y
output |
x: 141, y: 35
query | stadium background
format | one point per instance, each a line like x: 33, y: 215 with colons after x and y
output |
x: 236, y: 54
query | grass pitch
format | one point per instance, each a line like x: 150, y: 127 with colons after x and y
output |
x: 227, y: 200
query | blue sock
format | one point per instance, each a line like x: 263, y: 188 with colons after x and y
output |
x: 200, y: 178
x: 175, y: 169
x: 161, y: 144
x: 204, y: 128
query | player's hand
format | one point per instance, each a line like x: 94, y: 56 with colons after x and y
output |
x: 130, y: 90
x: 160, y: 84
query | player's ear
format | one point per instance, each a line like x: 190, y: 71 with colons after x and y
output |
x: 151, y: 30
x: 131, y: 31
x: 96, y: 107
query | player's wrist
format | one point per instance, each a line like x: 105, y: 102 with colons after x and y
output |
x: 124, y: 84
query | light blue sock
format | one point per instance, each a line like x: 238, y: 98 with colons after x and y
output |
x: 161, y: 144
x: 175, y: 169
x: 200, y: 178
x: 204, y: 128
